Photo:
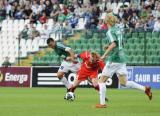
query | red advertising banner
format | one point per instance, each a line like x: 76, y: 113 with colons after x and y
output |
x: 15, y: 76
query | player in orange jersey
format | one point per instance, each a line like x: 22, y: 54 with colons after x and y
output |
x: 90, y: 66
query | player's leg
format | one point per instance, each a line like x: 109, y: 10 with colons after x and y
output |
x: 81, y: 76
x: 131, y: 84
x: 108, y: 71
x: 93, y: 76
x: 102, y: 86
x: 102, y: 92
x: 63, y: 79
x: 61, y: 72
x: 95, y: 83
x: 123, y: 80
x: 64, y: 68
x: 75, y: 84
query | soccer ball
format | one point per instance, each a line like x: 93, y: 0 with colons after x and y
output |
x: 70, y: 96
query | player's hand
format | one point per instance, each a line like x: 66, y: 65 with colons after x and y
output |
x: 68, y: 59
x: 74, y: 60
x: 71, y: 60
x: 76, y: 56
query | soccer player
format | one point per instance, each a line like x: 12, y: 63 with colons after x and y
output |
x: 90, y: 66
x: 69, y: 63
x: 116, y: 59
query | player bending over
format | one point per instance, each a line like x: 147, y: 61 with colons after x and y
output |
x: 89, y: 69
x: 68, y: 64
x: 116, y: 62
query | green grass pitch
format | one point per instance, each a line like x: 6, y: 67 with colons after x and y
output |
x: 50, y: 102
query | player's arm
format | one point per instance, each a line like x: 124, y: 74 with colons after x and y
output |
x: 72, y: 55
x: 66, y: 49
x: 108, y: 50
x: 112, y: 44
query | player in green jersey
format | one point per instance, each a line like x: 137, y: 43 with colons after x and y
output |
x: 116, y: 62
x: 69, y: 63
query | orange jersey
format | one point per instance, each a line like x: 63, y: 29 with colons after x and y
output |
x: 89, y: 69
x: 88, y: 65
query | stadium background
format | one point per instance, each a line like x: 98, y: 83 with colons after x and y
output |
x: 26, y: 24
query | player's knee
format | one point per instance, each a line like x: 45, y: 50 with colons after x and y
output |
x: 123, y: 83
x: 95, y: 85
x: 122, y: 80
x: 60, y: 75
x: 95, y: 82
x: 103, y: 79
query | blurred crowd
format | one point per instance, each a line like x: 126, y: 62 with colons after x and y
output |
x: 136, y: 15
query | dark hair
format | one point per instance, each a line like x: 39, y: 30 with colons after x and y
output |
x: 50, y: 40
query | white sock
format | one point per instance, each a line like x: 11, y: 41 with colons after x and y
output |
x: 65, y: 82
x: 132, y: 84
x: 102, y: 93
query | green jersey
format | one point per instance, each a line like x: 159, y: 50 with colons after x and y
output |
x: 62, y: 50
x: 115, y: 34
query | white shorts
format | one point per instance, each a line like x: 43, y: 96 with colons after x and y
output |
x: 111, y: 68
x: 69, y: 66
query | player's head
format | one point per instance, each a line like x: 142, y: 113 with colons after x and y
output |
x: 51, y: 43
x: 111, y: 20
x: 94, y: 57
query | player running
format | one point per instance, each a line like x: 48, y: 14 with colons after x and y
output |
x: 89, y: 69
x: 69, y: 63
x: 116, y: 62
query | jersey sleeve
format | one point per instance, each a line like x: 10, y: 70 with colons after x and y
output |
x: 111, y: 36
x: 63, y: 47
x: 101, y: 64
